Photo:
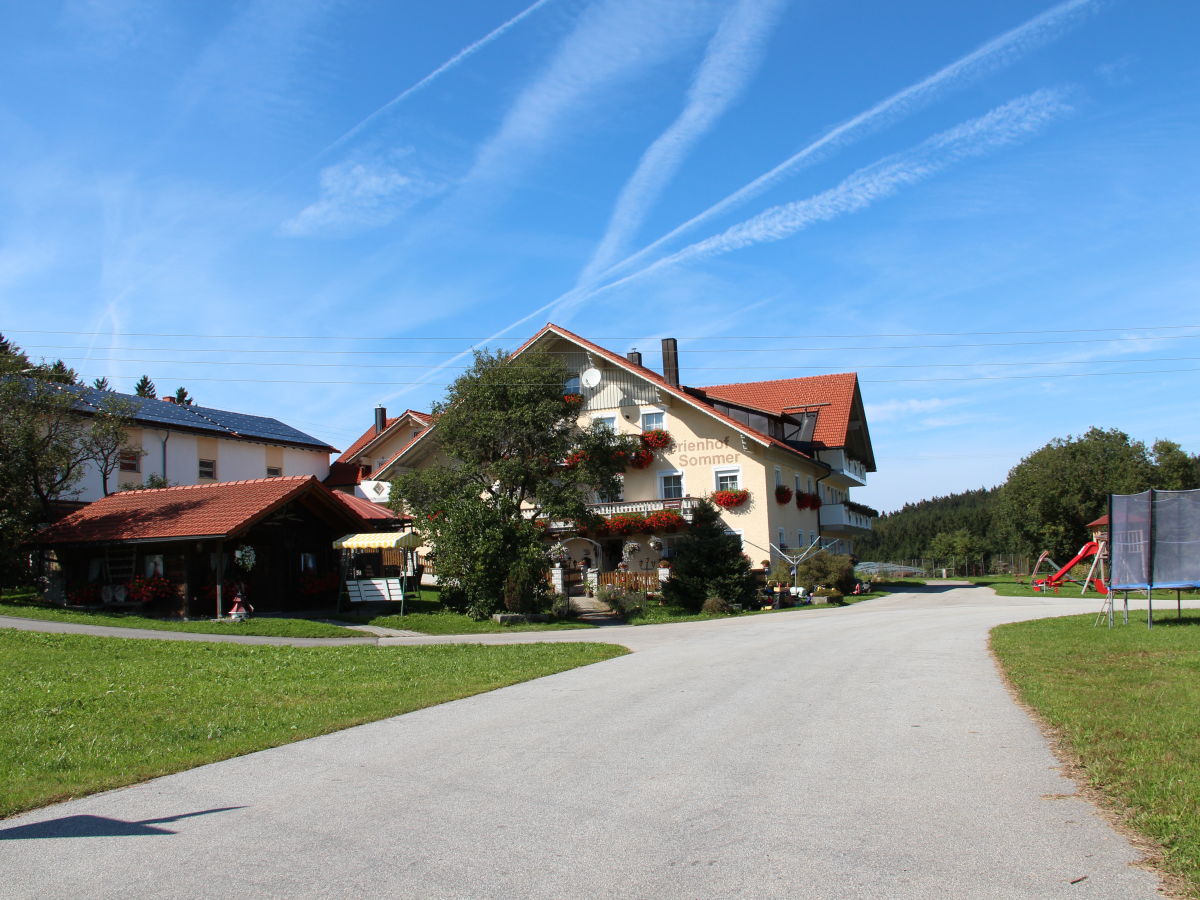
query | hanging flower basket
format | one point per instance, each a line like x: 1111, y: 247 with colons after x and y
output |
x: 783, y: 494
x: 815, y: 502
x: 805, y: 500
x: 245, y: 557
x: 641, y: 459
x: 630, y: 549
x: 656, y: 439
x: 730, y: 499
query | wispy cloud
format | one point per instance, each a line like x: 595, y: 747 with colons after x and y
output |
x: 732, y: 57
x: 1000, y: 51
x: 891, y: 410
x: 357, y: 195
x: 614, y: 42
x: 467, y: 51
x: 1002, y: 126
x: 251, y: 67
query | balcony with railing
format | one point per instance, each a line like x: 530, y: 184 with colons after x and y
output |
x: 847, y: 468
x: 844, y: 518
x: 682, y: 505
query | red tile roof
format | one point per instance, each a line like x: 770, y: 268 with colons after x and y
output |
x: 787, y: 395
x: 223, y: 509
x: 365, y: 508
x: 343, y: 474
x: 832, y: 395
x: 369, y: 435
x: 658, y: 381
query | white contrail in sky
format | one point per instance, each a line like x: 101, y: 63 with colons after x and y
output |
x: 1004, y: 49
x: 730, y: 61
x: 1004, y: 125
x: 453, y: 61
x: 999, y: 51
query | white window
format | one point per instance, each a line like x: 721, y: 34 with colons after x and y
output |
x: 609, y: 422
x: 797, y: 482
x: 736, y: 534
x: 810, y: 490
x: 274, y: 471
x: 670, y: 485
x: 652, y: 420
x: 130, y: 461
x: 208, y: 468
x: 778, y: 477
x: 800, y: 539
x: 782, y: 538
x: 571, y: 384
x: 729, y: 479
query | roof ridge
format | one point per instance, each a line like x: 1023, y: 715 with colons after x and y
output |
x: 212, y: 484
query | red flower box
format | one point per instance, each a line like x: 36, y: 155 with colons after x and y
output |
x: 143, y: 588
x: 783, y: 494
x: 573, y: 399
x: 665, y: 520
x: 656, y: 439
x: 625, y: 523
x: 730, y: 499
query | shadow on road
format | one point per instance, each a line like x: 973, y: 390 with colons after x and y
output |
x: 933, y: 588
x: 98, y: 826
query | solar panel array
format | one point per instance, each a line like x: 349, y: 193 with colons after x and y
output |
x: 149, y: 410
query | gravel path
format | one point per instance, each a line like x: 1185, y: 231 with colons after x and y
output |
x: 867, y: 752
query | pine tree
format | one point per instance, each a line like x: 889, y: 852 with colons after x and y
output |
x: 101, y: 384
x: 145, y: 387
x: 182, y: 398
x: 62, y: 373
x: 708, y: 563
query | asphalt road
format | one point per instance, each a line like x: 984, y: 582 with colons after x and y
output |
x: 867, y: 752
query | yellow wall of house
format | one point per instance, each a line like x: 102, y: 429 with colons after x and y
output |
x: 701, y: 446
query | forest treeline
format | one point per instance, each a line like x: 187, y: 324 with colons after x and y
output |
x: 1045, y: 503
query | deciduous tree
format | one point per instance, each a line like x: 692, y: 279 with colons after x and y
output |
x: 505, y: 432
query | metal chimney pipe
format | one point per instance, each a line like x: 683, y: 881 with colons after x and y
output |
x: 380, y: 419
x: 634, y: 357
x: 670, y: 355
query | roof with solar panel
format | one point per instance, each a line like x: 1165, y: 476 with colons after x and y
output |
x: 152, y: 411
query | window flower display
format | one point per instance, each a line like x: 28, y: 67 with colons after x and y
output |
x: 730, y: 499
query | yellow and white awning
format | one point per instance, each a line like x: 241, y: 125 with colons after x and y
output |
x: 379, y: 540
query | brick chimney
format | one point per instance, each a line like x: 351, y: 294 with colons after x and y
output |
x: 670, y: 355
x: 634, y: 357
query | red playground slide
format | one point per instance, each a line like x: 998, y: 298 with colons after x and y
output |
x: 1055, y: 580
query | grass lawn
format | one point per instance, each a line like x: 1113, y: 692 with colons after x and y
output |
x: 84, y: 714
x: 428, y: 616
x: 1127, y: 704
x: 1009, y: 586
x: 26, y: 607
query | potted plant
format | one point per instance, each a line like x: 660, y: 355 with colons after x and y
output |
x: 783, y: 494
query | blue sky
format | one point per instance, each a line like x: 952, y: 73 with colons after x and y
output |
x: 981, y: 208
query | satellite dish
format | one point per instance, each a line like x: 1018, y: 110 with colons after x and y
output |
x: 589, y: 377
